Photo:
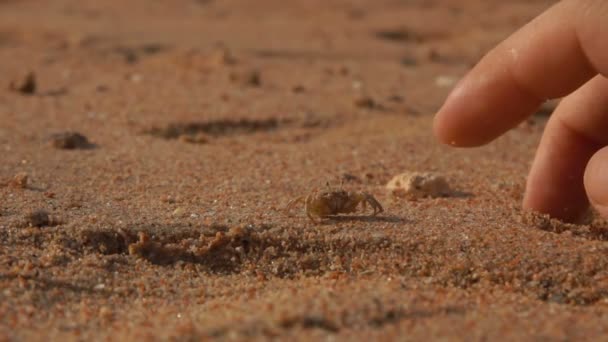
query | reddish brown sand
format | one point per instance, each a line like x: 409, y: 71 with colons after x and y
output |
x: 204, y: 118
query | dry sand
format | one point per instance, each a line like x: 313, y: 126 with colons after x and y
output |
x: 200, y: 120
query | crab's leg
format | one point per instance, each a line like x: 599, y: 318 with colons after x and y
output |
x: 374, y: 203
x: 312, y: 218
x: 307, y: 207
x: 293, y: 203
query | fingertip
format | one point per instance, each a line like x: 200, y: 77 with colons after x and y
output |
x: 445, y: 123
x: 555, y: 183
x: 453, y: 125
x: 596, y: 181
x: 441, y: 130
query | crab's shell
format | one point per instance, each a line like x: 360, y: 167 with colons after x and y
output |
x: 332, y: 203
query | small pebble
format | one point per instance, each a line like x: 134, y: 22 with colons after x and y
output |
x: 136, y: 78
x: 38, y: 218
x: 348, y: 177
x: 366, y: 102
x: 298, y: 89
x: 70, y: 141
x: 178, y: 211
x: 106, y: 313
x: 445, y: 81
x: 250, y: 78
x: 409, y: 61
x: 27, y: 86
x: 20, y: 180
x: 221, y: 57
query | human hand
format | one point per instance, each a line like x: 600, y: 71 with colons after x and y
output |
x: 562, y: 52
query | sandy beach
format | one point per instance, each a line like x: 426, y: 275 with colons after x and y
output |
x: 148, y: 150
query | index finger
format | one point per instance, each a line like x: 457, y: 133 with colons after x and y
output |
x: 548, y: 58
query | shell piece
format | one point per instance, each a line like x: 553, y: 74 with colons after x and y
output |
x: 419, y: 184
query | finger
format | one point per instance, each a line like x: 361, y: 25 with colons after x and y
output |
x: 596, y: 181
x: 548, y: 58
x: 575, y: 131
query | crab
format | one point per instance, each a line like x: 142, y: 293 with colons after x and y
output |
x: 321, y: 204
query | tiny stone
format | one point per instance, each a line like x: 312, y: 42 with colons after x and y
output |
x: 445, y: 81
x: 102, y: 88
x: 250, y: 78
x: 348, y: 177
x: 136, y: 78
x: 70, y: 141
x: 168, y: 199
x: 253, y: 78
x: 366, y: 102
x: 27, y: 86
x: 221, y: 56
x: 298, y: 89
x: 178, y: 211
x: 396, y: 98
x: 38, y: 218
x: 198, y: 138
x: 20, y: 180
x: 106, y: 313
x: 409, y: 61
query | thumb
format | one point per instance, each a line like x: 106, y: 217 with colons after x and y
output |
x: 596, y: 181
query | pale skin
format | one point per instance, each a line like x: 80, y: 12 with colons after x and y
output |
x: 561, y: 53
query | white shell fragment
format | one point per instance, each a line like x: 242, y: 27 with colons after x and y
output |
x: 444, y: 81
x: 419, y: 184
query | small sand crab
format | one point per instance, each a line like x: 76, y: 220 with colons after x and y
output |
x: 322, y: 204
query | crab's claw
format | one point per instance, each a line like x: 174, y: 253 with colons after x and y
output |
x: 292, y: 204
